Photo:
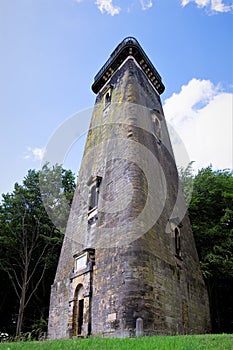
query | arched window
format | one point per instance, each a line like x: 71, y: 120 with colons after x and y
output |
x: 108, y: 97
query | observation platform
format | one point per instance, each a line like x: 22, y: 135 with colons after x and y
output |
x: 128, y: 47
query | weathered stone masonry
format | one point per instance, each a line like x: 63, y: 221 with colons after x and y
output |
x: 106, y: 280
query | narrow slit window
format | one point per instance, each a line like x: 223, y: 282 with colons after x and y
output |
x: 93, y: 197
x: 177, y: 243
x: 156, y: 126
x: 94, y: 187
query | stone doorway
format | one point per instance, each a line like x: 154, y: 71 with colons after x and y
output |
x: 80, y: 315
x: 78, y: 310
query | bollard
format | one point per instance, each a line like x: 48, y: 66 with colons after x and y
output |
x: 139, y: 327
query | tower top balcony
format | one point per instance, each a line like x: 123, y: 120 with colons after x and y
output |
x: 128, y: 47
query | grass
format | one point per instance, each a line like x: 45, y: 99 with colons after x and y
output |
x: 190, y: 342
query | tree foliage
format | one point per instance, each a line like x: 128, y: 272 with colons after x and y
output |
x: 211, y: 214
x: 30, y: 242
x: 186, y: 178
x: 31, y: 238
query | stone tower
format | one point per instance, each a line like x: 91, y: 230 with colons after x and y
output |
x: 128, y: 256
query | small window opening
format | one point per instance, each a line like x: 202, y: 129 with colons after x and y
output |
x: 93, y: 197
x: 130, y: 133
x: 156, y: 126
x: 93, y: 200
x: 177, y: 243
x: 108, y: 97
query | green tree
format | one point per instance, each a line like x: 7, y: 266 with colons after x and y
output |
x: 30, y: 241
x: 57, y: 189
x: 186, y: 178
x: 211, y: 214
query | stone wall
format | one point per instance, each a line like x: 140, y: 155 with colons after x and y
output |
x: 137, y: 273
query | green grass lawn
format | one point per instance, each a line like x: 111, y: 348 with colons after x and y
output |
x: 190, y: 342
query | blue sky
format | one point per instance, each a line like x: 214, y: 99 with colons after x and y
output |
x: 52, y: 49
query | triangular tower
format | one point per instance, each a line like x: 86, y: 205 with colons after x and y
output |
x: 128, y: 264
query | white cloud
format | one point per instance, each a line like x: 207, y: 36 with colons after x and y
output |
x: 35, y: 153
x: 213, y: 5
x: 107, y: 6
x: 200, y: 3
x: 146, y: 4
x: 192, y: 94
x: 218, y: 6
x: 202, y: 116
x: 111, y: 9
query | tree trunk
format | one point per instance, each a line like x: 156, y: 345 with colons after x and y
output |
x: 209, y: 285
x: 21, y: 305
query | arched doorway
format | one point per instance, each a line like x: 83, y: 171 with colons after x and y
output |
x: 78, y: 310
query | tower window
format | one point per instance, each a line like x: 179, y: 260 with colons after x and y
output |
x: 108, y: 97
x: 156, y: 125
x: 93, y: 199
x: 177, y: 243
x: 130, y: 133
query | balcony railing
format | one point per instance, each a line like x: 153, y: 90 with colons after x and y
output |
x: 128, y: 40
x: 138, y: 52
